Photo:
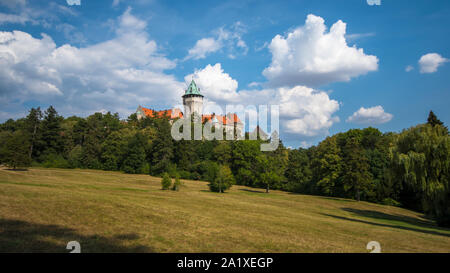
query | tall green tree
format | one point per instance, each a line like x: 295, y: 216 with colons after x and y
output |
x: 33, y: 122
x: 52, y: 140
x: 14, y: 151
x: 356, y: 177
x: 298, y: 171
x: 421, y: 159
x: 135, y: 156
x: 162, y: 147
x: 326, y: 167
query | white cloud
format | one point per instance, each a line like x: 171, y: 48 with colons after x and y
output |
x: 73, y: 2
x: 304, y: 111
x: 409, y: 68
x: 430, y: 62
x: 203, y: 47
x: 372, y: 115
x: 309, y: 55
x: 215, y: 84
x: 231, y: 39
x: 118, y: 74
x: 115, y: 3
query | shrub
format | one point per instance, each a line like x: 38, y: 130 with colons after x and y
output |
x: 166, y: 181
x: 55, y: 161
x: 177, y: 183
x: 390, y: 202
x: 223, y: 181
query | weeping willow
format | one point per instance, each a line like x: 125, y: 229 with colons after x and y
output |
x: 421, y: 159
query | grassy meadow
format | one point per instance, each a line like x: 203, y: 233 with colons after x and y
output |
x: 41, y: 210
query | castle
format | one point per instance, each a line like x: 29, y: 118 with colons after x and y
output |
x: 193, y: 105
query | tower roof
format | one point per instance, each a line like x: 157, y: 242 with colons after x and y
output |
x: 193, y: 89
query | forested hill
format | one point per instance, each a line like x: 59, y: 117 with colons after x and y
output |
x: 409, y: 169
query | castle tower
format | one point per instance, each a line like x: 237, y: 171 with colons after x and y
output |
x: 193, y: 100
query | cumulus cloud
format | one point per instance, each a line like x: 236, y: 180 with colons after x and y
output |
x: 117, y: 74
x: 304, y: 111
x: 430, y: 62
x: 203, y: 47
x: 231, y: 39
x: 372, y: 115
x: 311, y: 55
x: 409, y: 68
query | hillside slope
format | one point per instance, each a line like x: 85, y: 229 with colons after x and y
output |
x: 43, y: 209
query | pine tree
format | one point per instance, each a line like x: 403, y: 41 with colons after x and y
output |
x: 166, y: 181
x: 52, y: 142
x: 433, y: 120
x: 33, y: 121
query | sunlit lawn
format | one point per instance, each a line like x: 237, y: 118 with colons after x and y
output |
x: 43, y: 209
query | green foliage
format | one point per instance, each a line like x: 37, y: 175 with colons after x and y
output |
x: 177, y: 184
x: 135, y: 156
x: 433, y: 120
x: 298, y: 171
x: 166, y: 181
x: 421, y: 160
x: 14, y: 150
x: 410, y: 168
x: 162, y: 148
x: 326, y: 167
x: 223, y: 181
x: 55, y: 161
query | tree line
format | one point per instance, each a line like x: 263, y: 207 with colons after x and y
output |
x: 409, y: 169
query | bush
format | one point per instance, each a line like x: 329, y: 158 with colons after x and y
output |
x: 55, y: 161
x: 223, y: 181
x: 166, y: 181
x: 185, y: 175
x: 177, y: 183
x: 390, y: 202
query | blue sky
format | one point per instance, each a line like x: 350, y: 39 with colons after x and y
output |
x: 114, y: 55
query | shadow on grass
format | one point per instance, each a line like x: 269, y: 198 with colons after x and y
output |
x: 421, y: 225
x: 16, y: 170
x: 253, y: 191
x: 381, y: 215
x: 23, y: 237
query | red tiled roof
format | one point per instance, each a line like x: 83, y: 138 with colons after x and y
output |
x: 176, y: 113
x: 222, y: 119
x: 172, y: 114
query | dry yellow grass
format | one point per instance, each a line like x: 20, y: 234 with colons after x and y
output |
x: 43, y: 209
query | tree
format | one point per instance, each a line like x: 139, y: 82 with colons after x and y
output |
x: 177, y: 184
x: 162, y: 148
x: 356, y: 176
x: 433, y: 120
x: 14, y: 152
x: 421, y: 160
x: 52, y: 142
x: 267, y: 175
x: 135, y: 155
x: 298, y: 171
x: 223, y: 181
x: 326, y: 167
x: 33, y: 121
x: 166, y: 181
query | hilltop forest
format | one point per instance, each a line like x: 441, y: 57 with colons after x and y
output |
x: 409, y: 169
